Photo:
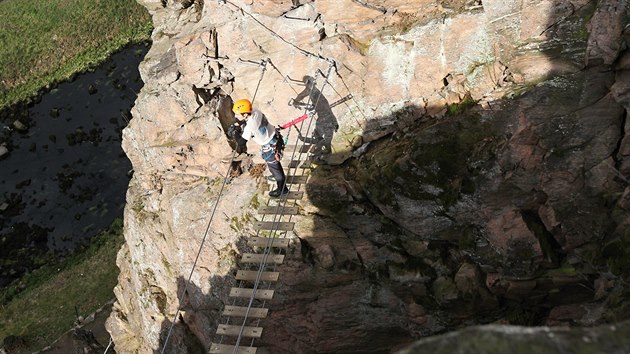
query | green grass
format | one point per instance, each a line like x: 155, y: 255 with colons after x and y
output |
x: 46, y: 41
x: 45, y: 308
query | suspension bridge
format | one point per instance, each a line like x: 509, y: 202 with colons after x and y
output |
x: 243, y: 315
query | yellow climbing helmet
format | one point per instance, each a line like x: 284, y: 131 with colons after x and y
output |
x: 242, y: 106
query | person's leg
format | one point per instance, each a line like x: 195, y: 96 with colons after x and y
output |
x: 278, y: 173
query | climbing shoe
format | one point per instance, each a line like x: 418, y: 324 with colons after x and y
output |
x: 278, y: 192
x: 271, y: 178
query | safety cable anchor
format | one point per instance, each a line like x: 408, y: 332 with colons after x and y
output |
x: 217, y: 58
x: 262, y: 63
x: 341, y: 100
x: 292, y: 81
x: 296, y: 18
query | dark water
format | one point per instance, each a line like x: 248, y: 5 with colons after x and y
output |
x: 65, y: 177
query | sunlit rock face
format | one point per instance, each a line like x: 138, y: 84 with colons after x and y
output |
x: 477, y: 174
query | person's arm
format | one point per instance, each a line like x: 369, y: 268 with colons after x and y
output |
x: 235, y: 131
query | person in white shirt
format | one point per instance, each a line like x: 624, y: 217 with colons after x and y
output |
x: 258, y: 128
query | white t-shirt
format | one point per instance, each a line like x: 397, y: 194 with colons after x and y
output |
x: 258, y: 128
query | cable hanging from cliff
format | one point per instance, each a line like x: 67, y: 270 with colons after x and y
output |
x: 273, y: 33
x: 205, y: 236
x: 304, y: 52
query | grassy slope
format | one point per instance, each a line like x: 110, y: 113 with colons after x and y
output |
x: 46, y: 308
x: 42, y: 42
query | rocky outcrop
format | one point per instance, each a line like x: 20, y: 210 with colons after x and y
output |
x: 478, y: 172
x: 523, y: 340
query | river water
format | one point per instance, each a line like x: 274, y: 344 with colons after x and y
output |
x: 65, y: 175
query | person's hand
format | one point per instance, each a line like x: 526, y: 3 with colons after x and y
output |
x: 234, y: 130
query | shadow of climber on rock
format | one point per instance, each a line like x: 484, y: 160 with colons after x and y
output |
x: 326, y: 122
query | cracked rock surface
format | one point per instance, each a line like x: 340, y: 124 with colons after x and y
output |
x: 478, y: 173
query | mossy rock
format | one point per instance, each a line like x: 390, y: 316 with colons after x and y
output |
x: 616, y: 253
x: 435, y: 163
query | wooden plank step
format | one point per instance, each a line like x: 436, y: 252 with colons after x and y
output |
x: 252, y: 274
x: 234, y: 331
x: 292, y: 180
x: 275, y: 210
x: 247, y: 293
x: 241, y: 311
x: 216, y: 348
x: 271, y: 225
x: 301, y: 148
x: 291, y: 195
x: 264, y: 242
x: 303, y: 164
x: 257, y: 258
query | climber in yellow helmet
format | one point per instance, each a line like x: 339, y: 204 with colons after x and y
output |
x: 253, y: 124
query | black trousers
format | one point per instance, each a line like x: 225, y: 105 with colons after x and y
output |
x: 277, y: 172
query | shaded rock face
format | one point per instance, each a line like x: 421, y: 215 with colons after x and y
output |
x: 479, y: 172
x: 523, y: 340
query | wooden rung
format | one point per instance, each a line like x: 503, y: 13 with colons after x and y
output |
x: 241, y: 311
x: 247, y: 293
x: 235, y: 331
x: 264, y: 242
x: 275, y: 210
x: 257, y: 258
x: 306, y: 164
x: 251, y: 275
x: 293, y: 180
x: 270, y: 225
x: 229, y: 349
x: 292, y: 195
x: 301, y: 148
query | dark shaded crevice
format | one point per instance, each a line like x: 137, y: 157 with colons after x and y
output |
x: 550, y: 247
x: 192, y: 343
x: 616, y: 153
x: 307, y: 252
x: 187, y: 3
x: 371, y: 6
x: 199, y: 4
x: 225, y: 114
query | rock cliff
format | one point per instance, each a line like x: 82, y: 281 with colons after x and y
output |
x: 474, y: 169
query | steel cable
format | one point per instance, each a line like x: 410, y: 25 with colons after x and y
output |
x: 225, y: 179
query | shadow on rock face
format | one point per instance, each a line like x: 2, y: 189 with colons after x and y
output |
x: 492, y: 213
x: 486, y: 213
x: 192, y: 323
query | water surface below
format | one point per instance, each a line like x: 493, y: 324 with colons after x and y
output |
x: 65, y: 176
